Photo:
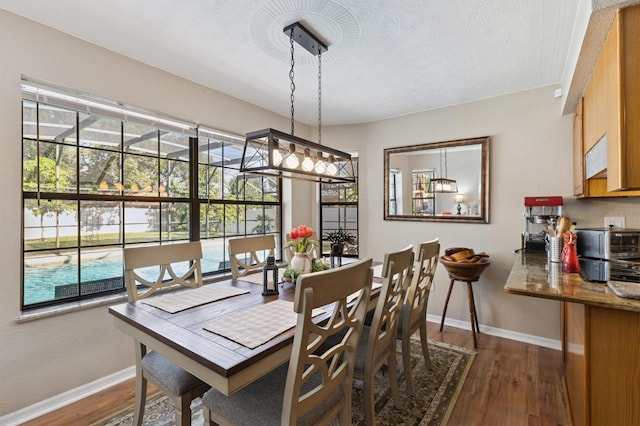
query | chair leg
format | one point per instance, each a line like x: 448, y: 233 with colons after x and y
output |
x: 207, y: 416
x: 446, y: 303
x: 183, y: 411
x: 472, y: 313
x: 393, y: 377
x: 406, y: 360
x: 369, y: 398
x: 141, y: 398
x: 425, y: 346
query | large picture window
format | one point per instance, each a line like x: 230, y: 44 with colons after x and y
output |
x: 96, y: 181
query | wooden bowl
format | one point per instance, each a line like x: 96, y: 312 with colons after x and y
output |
x: 465, y: 271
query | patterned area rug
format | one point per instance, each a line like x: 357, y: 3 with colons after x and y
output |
x: 436, y: 393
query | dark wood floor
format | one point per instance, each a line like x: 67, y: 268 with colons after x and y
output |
x: 510, y: 383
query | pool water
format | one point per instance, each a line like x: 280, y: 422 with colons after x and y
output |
x: 40, y: 282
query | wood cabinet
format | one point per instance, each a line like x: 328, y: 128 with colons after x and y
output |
x: 611, y: 110
x: 602, y: 371
x: 578, y: 153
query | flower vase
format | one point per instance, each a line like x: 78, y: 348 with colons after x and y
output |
x: 301, y: 263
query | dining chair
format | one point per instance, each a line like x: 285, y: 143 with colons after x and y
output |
x: 168, y: 262
x: 244, y: 254
x: 413, y: 315
x: 378, y: 345
x: 314, y: 387
x: 316, y: 252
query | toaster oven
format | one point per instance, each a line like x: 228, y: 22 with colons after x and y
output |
x: 608, y: 244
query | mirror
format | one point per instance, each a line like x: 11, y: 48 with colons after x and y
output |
x: 410, y: 192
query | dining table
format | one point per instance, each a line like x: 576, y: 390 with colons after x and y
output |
x: 185, y: 336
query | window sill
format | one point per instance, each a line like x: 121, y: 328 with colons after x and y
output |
x: 51, y: 311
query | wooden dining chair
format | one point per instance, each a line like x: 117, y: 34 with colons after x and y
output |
x: 378, y: 345
x: 168, y: 261
x: 413, y: 315
x: 314, y: 387
x: 244, y: 254
x: 316, y: 252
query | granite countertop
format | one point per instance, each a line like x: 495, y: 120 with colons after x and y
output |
x: 532, y: 275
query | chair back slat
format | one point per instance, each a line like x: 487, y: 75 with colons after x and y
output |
x: 384, y: 325
x: 167, y: 258
x: 244, y: 253
x: 422, y: 280
x: 316, y: 377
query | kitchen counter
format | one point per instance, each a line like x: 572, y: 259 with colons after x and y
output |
x: 600, y: 334
x: 532, y: 275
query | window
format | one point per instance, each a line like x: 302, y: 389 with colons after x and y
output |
x: 232, y: 204
x: 339, y: 209
x: 96, y: 179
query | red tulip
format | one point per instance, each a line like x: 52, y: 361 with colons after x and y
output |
x: 294, y: 233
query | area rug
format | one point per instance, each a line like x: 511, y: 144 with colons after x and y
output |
x: 436, y: 393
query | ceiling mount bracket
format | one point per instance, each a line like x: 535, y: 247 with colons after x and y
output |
x: 305, y: 38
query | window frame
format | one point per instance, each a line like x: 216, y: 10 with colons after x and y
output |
x: 121, y: 198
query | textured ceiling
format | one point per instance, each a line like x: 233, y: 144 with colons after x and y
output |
x: 386, y: 58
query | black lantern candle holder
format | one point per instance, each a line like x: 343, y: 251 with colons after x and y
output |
x: 270, y: 277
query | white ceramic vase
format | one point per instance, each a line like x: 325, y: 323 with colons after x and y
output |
x: 301, y: 263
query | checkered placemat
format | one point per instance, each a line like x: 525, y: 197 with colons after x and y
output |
x: 258, y: 325
x: 185, y: 299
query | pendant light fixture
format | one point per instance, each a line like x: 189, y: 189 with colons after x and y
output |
x: 442, y: 184
x: 275, y: 153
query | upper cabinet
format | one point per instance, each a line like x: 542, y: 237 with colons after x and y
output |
x: 609, y: 123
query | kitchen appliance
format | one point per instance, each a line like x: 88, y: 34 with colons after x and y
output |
x: 540, y: 213
x: 609, y: 254
x: 608, y: 244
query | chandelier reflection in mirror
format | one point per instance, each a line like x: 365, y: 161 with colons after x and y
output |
x: 275, y: 153
x: 442, y: 184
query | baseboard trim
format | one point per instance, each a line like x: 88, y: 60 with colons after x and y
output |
x: 500, y: 332
x: 51, y: 404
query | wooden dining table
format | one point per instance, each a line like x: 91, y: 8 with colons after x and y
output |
x: 222, y: 363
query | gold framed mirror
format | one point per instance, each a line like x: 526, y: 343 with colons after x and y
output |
x: 438, y: 182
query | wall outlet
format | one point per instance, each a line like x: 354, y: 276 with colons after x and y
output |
x: 615, y: 221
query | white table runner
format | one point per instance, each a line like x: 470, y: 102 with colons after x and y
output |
x: 185, y: 299
x: 258, y: 325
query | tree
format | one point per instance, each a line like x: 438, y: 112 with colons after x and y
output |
x: 263, y: 226
x: 50, y: 176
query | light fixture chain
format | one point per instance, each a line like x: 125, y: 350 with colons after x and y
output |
x: 293, y: 85
x: 320, y: 97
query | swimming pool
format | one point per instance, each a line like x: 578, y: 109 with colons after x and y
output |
x: 40, y: 282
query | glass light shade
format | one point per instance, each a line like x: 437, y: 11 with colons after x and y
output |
x: 277, y: 157
x: 292, y: 161
x: 307, y: 163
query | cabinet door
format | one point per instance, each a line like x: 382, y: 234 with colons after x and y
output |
x: 575, y: 366
x: 578, y: 153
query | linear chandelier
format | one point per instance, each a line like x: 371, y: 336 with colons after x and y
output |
x: 442, y: 184
x: 275, y: 153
